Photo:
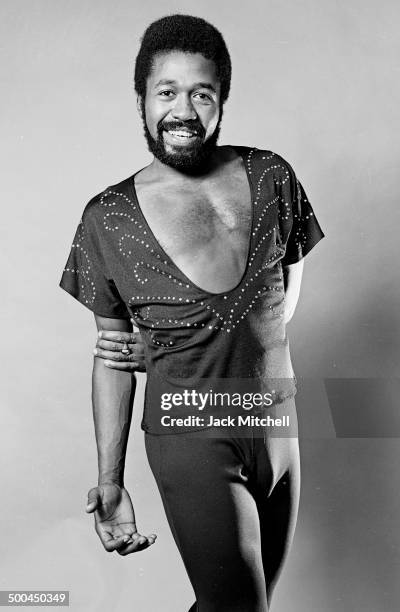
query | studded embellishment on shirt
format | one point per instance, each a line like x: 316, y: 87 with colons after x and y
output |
x: 117, y: 268
x: 155, y: 290
x: 145, y: 271
x: 87, y: 286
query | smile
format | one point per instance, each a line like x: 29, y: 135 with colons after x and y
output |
x: 182, y: 134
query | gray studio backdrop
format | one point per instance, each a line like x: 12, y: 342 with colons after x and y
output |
x: 319, y: 83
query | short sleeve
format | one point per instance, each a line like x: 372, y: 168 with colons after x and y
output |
x: 85, y: 275
x: 301, y: 228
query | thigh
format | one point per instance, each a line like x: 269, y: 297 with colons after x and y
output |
x: 277, y: 493
x: 278, y: 516
x: 214, y: 518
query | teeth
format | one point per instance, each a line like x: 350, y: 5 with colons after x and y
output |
x: 181, y: 134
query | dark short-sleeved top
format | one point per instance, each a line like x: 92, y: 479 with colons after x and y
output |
x: 118, y: 269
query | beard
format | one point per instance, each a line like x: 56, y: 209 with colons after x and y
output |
x: 191, y: 159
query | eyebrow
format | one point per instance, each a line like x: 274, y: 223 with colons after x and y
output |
x: 201, y: 84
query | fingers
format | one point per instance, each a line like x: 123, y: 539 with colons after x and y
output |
x: 110, y: 345
x: 120, y: 336
x: 128, y: 366
x: 106, y: 345
x: 126, y: 544
x: 114, y: 356
x: 132, y: 362
x: 136, y: 544
x: 110, y: 543
x: 94, y: 500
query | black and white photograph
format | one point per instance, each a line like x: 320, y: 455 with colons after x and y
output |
x: 200, y: 306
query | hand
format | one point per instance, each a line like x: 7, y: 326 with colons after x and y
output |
x: 115, y: 519
x: 109, y: 347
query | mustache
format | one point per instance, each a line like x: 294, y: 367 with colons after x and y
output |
x: 192, y: 125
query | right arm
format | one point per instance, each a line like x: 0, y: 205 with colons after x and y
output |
x: 112, y: 340
x: 113, y: 393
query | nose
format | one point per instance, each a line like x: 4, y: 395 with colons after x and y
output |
x: 183, y: 108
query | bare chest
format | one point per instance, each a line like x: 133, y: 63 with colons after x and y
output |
x: 186, y: 219
x: 203, y: 227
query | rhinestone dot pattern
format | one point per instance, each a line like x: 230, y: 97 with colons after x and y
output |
x: 111, y: 232
x: 117, y: 269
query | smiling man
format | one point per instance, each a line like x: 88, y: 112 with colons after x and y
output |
x: 185, y: 141
x: 203, y: 251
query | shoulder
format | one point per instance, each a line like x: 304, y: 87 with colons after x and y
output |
x: 263, y: 158
x: 113, y: 200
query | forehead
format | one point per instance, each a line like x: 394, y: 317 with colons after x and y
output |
x: 183, y: 68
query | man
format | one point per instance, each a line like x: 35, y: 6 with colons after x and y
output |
x: 203, y: 250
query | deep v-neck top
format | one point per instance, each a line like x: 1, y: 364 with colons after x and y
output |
x: 194, y: 339
x: 161, y: 249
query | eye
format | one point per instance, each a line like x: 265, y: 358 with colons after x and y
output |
x: 203, y: 97
x: 166, y: 93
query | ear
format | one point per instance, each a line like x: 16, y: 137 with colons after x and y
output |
x: 139, y: 105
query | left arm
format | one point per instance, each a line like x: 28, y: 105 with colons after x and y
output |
x: 292, y: 275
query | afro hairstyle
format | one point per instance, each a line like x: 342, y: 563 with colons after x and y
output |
x: 182, y: 33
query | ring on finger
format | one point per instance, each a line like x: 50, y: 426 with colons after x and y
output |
x: 125, y: 349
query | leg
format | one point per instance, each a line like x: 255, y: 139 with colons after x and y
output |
x: 278, y: 516
x: 277, y: 462
x: 214, y: 518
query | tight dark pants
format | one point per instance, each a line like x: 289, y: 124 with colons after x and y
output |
x: 231, y: 503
